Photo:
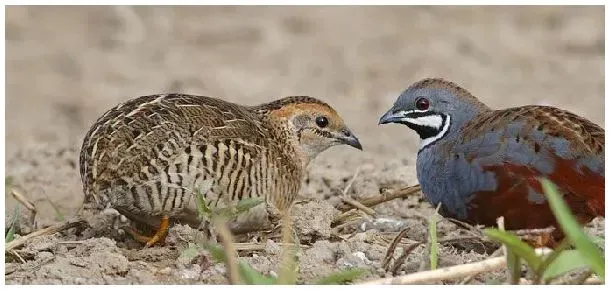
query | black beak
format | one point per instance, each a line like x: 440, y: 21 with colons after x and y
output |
x: 392, y: 116
x: 348, y: 138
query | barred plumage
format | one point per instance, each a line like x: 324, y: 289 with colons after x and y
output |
x: 146, y: 157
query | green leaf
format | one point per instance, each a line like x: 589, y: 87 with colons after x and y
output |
x: 189, y: 253
x: 341, y: 277
x: 253, y: 277
x: 565, y: 262
x: 218, y: 253
x: 549, y: 259
x: 247, y: 203
x: 573, y: 230
x: 517, y: 246
x: 203, y: 210
x: 246, y: 273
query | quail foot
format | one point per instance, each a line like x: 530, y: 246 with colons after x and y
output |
x: 481, y: 163
x: 146, y: 157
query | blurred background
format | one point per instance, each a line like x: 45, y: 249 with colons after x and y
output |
x: 65, y: 66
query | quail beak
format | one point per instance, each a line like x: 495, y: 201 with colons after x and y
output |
x: 392, y: 116
x: 347, y: 137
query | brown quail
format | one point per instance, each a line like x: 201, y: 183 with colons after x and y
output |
x: 147, y: 157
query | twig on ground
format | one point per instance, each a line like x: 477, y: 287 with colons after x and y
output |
x: 345, y: 217
x: 525, y: 232
x: 513, y: 263
x: 378, y: 199
x: 25, y: 202
x: 261, y: 247
x: 369, y: 202
x: 500, y: 222
x: 46, y: 231
x: 358, y: 205
x: 401, y: 259
x: 70, y: 244
x: 401, y: 235
x: 354, y: 203
x: 345, y: 224
x: 390, y: 252
x: 448, y: 273
x: 351, y: 181
x: 467, y: 226
x: 14, y: 253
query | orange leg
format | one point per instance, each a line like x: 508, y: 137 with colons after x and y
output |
x: 159, y: 236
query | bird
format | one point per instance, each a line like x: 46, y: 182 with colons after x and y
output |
x: 481, y: 163
x: 147, y: 156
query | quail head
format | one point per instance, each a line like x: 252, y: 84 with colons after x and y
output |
x: 148, y: 156
x: 481, y: 163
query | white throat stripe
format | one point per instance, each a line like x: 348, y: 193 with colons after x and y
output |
x: 441, y: 133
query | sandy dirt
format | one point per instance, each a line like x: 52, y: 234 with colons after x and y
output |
x: 66, y: 66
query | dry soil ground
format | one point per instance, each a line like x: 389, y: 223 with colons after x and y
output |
x: 66, y: 66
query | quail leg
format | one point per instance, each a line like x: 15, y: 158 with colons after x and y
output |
x: 159, y: 236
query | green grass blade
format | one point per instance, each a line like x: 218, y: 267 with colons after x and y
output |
x: 341, y: 277
x: 247, y: 203
x: 203, y: 211
x: 514, y: 266
x: 433, y: 240
x: 573, y: 230
x: 517, y: 246
x: 10, y: 235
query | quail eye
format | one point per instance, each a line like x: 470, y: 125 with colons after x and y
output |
x: 322, y: 121
x: 422, y: 104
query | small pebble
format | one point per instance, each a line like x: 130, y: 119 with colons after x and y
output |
x: 44, y: 255
x: 110, y: 212
x: 165, y: 271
